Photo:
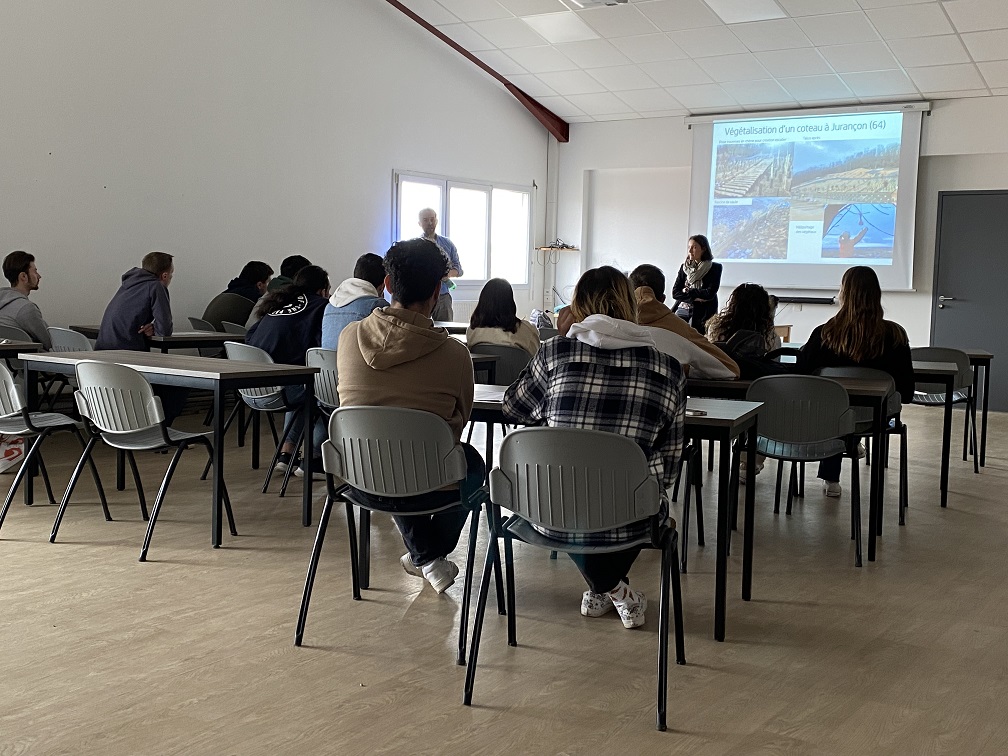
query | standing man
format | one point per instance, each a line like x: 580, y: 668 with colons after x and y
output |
x: 15, y: 308
x: 428, y: 223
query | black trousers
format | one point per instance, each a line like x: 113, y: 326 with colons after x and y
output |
x: 603, y: 572
x: 173, y: 399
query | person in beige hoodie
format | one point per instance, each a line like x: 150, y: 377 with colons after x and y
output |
x: 395, y: 357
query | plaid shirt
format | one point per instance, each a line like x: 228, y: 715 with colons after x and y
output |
x: 637, y: 392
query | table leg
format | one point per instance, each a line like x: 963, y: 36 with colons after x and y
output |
x: 32, y: 397
x: 216, y: 508
x: 307, y: 452
x: 750, y: 514
x: 120, y: 470
x: 946, y: 441
x: 721, y: 569
x: 875, y: 477
x: 983, y: 416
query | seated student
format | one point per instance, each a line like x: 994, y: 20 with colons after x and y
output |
x: 608, y: 376
x: 354, y: 299
x: 235, y: 303
x: 495, y: 319
x: 672, y: 334
x: 16, y: 310
x: 395, y: 357
x: 858, y: 336
x: 746, y: 327
x: 290, y: 324
x: 288, y: 269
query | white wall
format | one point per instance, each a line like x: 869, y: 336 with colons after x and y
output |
x: 227, y: 131
x: 963, y: 146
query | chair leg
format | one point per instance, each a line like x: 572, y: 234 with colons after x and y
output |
x: 663, y: 618
x: 290, y: 468
x: 45, y: 479
x: 904, y: 492
x: 352, y: 529
x: 276, y: 455
x: 481, y: 602
x: 460, y: 659
x: 472, y: 426
x: 679, y: 468
x: 801, y: 480
x: 312, y: 567
x: 255, y: 417
x: 512, y: 622
x: 792, y: 486
x: 677, y: 607
x: 139, y: 486
x: 159, y: 501
x: 272, y: 425
x: 710, y: 454
x: 94, y: 475
x: 22, y: 471
x: 867, y: 452
x: 780, y: 480
x: 856, y: 508
x: 972, y: 416
x: 70, y: 487
x: 691, y: 464
x: 364, y: 549
x: 698, y: 490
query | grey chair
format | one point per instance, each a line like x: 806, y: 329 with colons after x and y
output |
x: 547, y: 333
x: 393, y: 453
x: 806, y: 418
x: 120, y: 409
x: 578, y: 481
x: 238, y: 329
x: 65, y: 340
x: 511, y: 360
x: 47, y: 381
x: 198, y: 324
x: 933, y: 394
x: 16, y: 420
x: 327, y: 379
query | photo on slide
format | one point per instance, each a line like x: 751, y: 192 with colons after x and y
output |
x: 859, y: 231
x: 841, y: 172
x: 755, y: 231
x: 753, y: 170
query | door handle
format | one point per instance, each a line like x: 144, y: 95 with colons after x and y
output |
x: 946, y: 299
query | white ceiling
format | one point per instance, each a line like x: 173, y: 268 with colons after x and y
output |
x: 654, y: 58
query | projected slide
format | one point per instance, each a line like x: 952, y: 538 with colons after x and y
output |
x: 810, y: 189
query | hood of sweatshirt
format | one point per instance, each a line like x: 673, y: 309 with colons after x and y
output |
x: 244, y: 288
x: 649, y: 309
x: 9, y: 296
x: 610, y: 333
x: 392, y: 336
x: 138, y: 277
x: 351, y: 290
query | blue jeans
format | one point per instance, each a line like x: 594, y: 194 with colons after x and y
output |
x: 294, y: 420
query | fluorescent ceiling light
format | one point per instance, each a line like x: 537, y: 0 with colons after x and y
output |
x: 557, y: 28
x: 741, y: 11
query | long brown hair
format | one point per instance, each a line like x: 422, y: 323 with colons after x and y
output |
x: 604, y: 291
x: 858, y: 330
x: 496, y: 307
x: 748, y: 309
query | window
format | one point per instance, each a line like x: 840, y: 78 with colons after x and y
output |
x: 490, y: 225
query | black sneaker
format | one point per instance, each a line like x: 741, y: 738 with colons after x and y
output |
x: 283, y: 461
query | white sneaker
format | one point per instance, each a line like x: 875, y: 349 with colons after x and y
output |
x: 630, y: 607
x: 407, y: 564
x: 440, y: 573
x: 861, y: 451
x: 596, y: 604
x: 831, y: 488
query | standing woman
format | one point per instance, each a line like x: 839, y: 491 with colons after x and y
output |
x: 606, y: 375
x: 697, y: 284
x: 858, y: 336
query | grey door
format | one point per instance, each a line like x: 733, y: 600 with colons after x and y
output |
x: 970, y: 295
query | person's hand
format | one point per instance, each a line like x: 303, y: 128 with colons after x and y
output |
x: 565, y: 319
x: 147, y: 330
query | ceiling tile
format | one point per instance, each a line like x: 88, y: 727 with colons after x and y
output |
x: 838, y: 28
x: 864, y: 56
x: 475, y: 10
x: 617, y: 117
x: 977, y: 15
x: 648, y: 100
x: 765, y: 92
x: 868, y: 4
x: 956, y: 94
x: 431, y: 11
x: 782, y: 34
x: 711, y: 40
x: 507, y: 32
x: 466, y: 37
x: 593, y: 53
x: 532, y: 7
x: 946, y: 78
x: 532, y: 85
x: 815, y: 88
x: 671, y: 15
x: 995, y: 72
x: 802, y: 61
x: 1000, y: 92
x: 561, y: 106
x: 578, y: 118
x: 742, y: 67
x: 703, y: 96
x: 617, y: 21
x: 910, y: 21
x: 561, y: 27
x: 880, y: 84
x: 649, y: 48
x: 741, y: 11
x: 571, y: 82
x: 676, y: 73
x: 677, y: 113
x: 987, y: 45
x: 929, y: 51
x: 541, y: 59
x: 817, y: 7
x: 620, y: 78
x: 602, y: 103
x: 500, y: 63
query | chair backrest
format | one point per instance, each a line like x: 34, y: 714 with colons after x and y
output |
x: 894, y: 405
x: 247, y: 353
x: 392, y: 451
x: 801, y: 408
x: 326, y: 379
x: 511, y: 360
x: 11, y: 398
x: 65, y: 340
x: 198, y: 324
x: 545, y: 332
x: 116, y: 398
x: 574, y: 480
x: 13, y: 333
x: 964, y: 377
x: 238, y: 329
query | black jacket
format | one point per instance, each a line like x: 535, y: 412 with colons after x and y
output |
x: 141, y: 299
x: 707, y: 290
x: 895, y: 360
x: 288, y: 333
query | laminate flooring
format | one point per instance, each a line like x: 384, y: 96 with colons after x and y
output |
x: 193, y: 652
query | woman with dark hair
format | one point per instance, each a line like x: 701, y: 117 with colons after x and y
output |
x: 858, y: 336
x: 290, y: 324
x: 697, y: 284
x: 748, y: 309
x: 606, y: 375
x: 495, y: 320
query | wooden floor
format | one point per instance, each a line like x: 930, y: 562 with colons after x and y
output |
x: 193, y: 651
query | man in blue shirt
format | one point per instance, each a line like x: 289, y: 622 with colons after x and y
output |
x: 428, y: 223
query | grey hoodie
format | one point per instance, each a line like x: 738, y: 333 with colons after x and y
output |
x: 141, y: 299
x: 17, y: 311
